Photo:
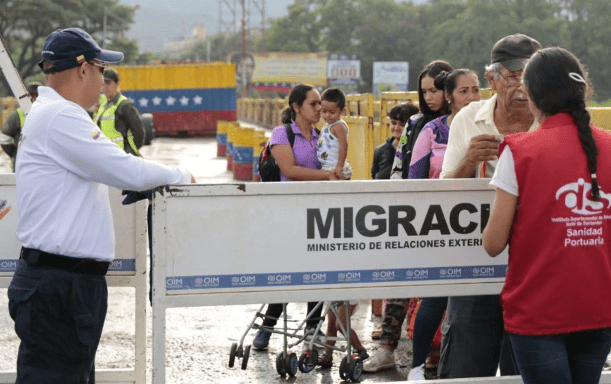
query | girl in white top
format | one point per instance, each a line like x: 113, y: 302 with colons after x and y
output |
x: 332, y: 146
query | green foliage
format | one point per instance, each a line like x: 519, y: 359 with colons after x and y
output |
x: 459, y: 31
x: 24, y: 25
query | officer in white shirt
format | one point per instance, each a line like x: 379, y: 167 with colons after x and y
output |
x: 58, y: 295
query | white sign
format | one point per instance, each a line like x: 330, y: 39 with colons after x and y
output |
x: 343, y: 69
x: 390, y: 76
x: 319, y: 235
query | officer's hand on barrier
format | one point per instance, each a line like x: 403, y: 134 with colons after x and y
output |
x: 193, y: 180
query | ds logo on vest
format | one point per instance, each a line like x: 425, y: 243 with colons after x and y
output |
x: 578, y: 198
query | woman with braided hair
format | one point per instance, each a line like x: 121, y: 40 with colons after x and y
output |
x: 553, y: 208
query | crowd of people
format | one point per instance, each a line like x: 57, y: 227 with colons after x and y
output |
x: 552, y: 321
x: 540, y: 326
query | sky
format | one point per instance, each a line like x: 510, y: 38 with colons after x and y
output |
x: 158, y: 21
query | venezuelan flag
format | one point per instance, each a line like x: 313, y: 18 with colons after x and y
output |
x: 183, y: 98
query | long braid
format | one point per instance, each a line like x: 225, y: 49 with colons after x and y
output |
x: 581, y: 116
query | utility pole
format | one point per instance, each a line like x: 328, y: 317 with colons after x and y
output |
x: 244, y: 80
x: 227, y: 26
x: 105, y: 26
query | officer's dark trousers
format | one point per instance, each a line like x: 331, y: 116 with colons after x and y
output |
x: 59, y: 317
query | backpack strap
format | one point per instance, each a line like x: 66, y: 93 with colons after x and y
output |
x: 290, y: 134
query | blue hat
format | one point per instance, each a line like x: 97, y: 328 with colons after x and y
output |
x: 67, y: 48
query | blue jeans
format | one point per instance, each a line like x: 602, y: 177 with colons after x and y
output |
x: 571, y: 358
x: 427, y: 321
x: 474, y: 342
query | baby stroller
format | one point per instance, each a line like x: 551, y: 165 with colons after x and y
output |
x: 351, y: 367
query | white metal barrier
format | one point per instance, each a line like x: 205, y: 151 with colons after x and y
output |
x: 290, y: 242
x: 127, y: 270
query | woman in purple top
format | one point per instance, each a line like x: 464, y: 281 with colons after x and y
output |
x: 299, y: 163
x: 461, y: 87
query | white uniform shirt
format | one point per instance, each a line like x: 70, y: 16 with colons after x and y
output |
x: 63, y: 166
x: 475, y: 119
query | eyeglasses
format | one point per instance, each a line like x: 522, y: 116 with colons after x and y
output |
x: 513, y: 80
x: 99, y: 66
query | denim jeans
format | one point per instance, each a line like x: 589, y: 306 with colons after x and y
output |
x: 572, y: 358
x: 427, y: 321
x: 474, y: 342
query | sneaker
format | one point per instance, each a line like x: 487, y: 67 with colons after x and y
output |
x: 261, y: 340
x: 416, y: 374
x: 381, y: 359
x: 607, y: 365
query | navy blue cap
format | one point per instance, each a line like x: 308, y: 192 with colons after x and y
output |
x: 67, y: 48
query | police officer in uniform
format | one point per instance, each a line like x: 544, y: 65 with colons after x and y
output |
x: 11, y: 129
x: 117, y: 117
x: 58, y: 294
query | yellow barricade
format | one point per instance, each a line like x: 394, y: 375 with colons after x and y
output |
x: 241, y: 108
x: 387, y: 101
x: 360, y: 148
x: 601, y: 117
x: 221, y: 138
x: 232, y: 130
x: 367, y: 119
x: 243, y: 142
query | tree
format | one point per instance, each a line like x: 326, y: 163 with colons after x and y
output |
x: 297, y: 32
x: 466, y: 40
x: 24, y: 25
x: 588, y: 36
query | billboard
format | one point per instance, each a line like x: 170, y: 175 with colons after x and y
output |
x: 344, y: 72
x: 279, y: 71
x: 390, y: 76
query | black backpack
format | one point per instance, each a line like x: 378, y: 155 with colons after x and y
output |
x: 268, y: 168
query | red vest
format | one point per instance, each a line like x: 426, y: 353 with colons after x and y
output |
x: 559, y: 275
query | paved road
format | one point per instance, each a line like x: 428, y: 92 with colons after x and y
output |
x: 199, y: 339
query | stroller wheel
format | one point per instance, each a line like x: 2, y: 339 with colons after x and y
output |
x: 245, y: 357
x: 355, y: 369
x: 343, y: 368
x: 291, y: 364
x: 308, y: 360
x: 232, y: 354
x: 281, y: 364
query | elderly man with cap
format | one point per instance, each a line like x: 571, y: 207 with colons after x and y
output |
x: 117, y: 117
x: 11, y: 129
x: 58, y: 294
x: 474, y: 330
